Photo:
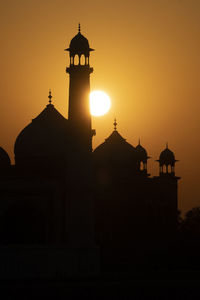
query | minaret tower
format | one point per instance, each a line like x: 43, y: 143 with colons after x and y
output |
x: 81, y: 219
x: 79, y: 88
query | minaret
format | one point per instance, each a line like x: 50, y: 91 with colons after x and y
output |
x: 79, y: 181
x: 79, y: 88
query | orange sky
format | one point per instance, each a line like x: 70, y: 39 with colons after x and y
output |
x: 146, y: 58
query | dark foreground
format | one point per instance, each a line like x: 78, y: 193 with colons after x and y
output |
x: 154, y: 285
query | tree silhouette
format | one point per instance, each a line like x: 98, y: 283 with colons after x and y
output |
x: 187, y: 246
x: 190, y: 225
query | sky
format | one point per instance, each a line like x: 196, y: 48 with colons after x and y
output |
x: 146, y: 58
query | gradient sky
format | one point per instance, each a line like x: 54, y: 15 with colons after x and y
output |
x: 147, y: 58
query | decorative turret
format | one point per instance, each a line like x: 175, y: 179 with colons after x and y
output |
x: 142, y: 157
x: 167, y: 162
x: 79, y: 46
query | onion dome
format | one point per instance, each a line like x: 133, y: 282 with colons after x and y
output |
x: 79, y: 45
x: 142, y: 153
x: 115, y: 151
x: 167, y: 157
x: 45, y: 137
x: 4, y: 159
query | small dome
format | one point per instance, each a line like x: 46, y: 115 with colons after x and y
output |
x: 4, y: 159
x: 46, y: 136
x: 79, y: 42
x: 167, y: 157
x: 115, y: 151
x: 142, y: 153
x: 79, y: 45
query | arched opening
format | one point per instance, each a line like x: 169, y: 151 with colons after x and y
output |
x: 82, y: 60
x: 76, y: 60
x: 162, y: 170
x: 143, y: 166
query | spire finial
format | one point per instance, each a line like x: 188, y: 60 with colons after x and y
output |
x: 79, y: 28
x: 50, y: 97
x: 167, y: 145
x: 115, y: 124
x: 139, y: 141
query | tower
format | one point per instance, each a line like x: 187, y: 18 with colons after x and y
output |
x: 79, y: 160
x: 79, y: 87
x: 167, y: 193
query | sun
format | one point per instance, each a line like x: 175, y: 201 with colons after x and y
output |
x: 99, y: 103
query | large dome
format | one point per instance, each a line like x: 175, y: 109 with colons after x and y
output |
x: 115, y: 151
x: 45, y: 137
x: 4, y: 159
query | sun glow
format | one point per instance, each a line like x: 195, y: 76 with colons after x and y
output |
x: 99, y: 103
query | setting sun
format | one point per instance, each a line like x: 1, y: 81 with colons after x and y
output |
x: 99, y: 103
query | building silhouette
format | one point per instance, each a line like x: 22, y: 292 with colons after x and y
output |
x: 74, y: 206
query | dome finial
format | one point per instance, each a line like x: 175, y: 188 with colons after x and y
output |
x: 115, y: 124
x: 139, y: 141
x: 167, y: 145
x: 79, y: 28
x: 50, y: 97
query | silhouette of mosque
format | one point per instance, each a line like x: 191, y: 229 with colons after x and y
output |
x: 64, y: 205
